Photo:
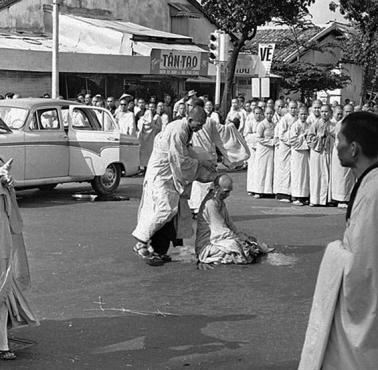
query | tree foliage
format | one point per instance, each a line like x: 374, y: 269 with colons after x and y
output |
x: 240, y: 19
x: 304, y: 77
x: 308, y: 78
x: 362, y: 45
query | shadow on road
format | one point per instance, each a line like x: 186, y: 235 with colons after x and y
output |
x: 142, y: 342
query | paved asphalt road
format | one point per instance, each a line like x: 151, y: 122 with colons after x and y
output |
x: 170, y: 317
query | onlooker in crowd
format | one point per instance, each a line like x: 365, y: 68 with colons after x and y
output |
x: 140, y: 109
x: 342, y: 178
x: 148, y: 127
x: 14, y: 269
x: 251, y: 139
x: 264, y: 156
x: 163, y: 116
x: 320, y: 143
x: 300, y: 156
x: 283, y: 152
x: 88, y: 99
x: 181, y: 112
x: 343, y: 325
x: 110, y: 105
x: 125, y: 117
x: 237, y: 112
x: 168, y: 106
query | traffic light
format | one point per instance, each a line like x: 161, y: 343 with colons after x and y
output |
x: 214, y: 46
x: 218, y: 47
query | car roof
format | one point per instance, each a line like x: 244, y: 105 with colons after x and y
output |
x: 28, y: 103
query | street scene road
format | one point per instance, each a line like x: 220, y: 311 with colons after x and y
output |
x: 101, y: 307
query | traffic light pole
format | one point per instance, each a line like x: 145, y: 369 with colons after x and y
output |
x: 218, y: 82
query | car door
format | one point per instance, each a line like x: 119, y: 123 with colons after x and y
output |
x: 46, y: 145
x: 91, y: 148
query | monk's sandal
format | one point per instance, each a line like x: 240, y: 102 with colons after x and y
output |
x: 141, y: 250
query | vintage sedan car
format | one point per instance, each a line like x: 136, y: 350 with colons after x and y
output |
x: 58, y: 141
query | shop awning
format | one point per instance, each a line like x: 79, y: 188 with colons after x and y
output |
x: 183, y: 10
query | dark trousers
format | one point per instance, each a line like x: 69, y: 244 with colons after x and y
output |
x: 161, y: 240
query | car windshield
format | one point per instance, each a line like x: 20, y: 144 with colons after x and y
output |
x: 13, y: 117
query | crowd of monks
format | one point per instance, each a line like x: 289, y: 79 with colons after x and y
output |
x: 293, y: 151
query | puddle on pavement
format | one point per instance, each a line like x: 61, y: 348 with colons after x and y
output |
x: 184, y: 254
x: 279, y: 259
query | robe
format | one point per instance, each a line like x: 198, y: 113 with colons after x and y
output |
x: 300, y: 156
x: 14, y: 269
x: 126, y: 123
x: 320, y: 141
x: 239, y: 113
x: 251, y: 139
x: 342, y: 178
x: 206, y: 140
x: 217, y: 238
x: 171, y: 170
x: 264, y: 159
x: 234, y: 143
x: 282, y: 153
x: 352, y: 342
x: 148, y: 128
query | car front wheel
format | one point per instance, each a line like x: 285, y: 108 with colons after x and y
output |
x: 108, y: 182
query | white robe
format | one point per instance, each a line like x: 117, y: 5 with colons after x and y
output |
x: 300, y: 155
x: 148, y: 128
x: 264, y: 160
x: 126, y: 123
x: 251, y: 139
x: 352, y: 343
x: 320, y: 141
x: 282, y: 153
x: 241, y: 114
x: 342, y: 178
x: 170, y: 171
x: 206, y: 140
x: 217, y: 239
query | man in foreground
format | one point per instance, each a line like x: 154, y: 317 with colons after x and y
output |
x: 164, y: 214
x: 218, y: 240
x: 343, y: 325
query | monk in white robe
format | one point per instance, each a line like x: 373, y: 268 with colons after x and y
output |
x: 300, y: 155
x: 217, y: 239
x: 264, y: 159
x: 320, y: 141
x: 343, y: 324
x: 206, y: 142
x: 237, y: 112
x: 342, y: 178
x: 282, y: 185
x: 14, y: 269
x: 149, y: 126
x: 251, y: 139
x: 164, y: 215
x: 314, y: 112
x: 279, y: 106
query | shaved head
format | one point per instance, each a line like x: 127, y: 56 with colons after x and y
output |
x: 224, y: 181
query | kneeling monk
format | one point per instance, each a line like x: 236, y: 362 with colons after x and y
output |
x: 217, y: 239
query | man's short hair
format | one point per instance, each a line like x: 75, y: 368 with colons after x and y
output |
x: 362, y: 127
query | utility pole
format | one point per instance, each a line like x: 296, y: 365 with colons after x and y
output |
x: 55, y: 50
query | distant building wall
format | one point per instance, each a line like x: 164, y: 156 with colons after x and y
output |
x: 28, y: 14
x: 27, y: 84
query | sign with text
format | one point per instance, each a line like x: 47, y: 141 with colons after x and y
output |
x: 266, y: 52
x: 249, y: 65
x: 178, y: 63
